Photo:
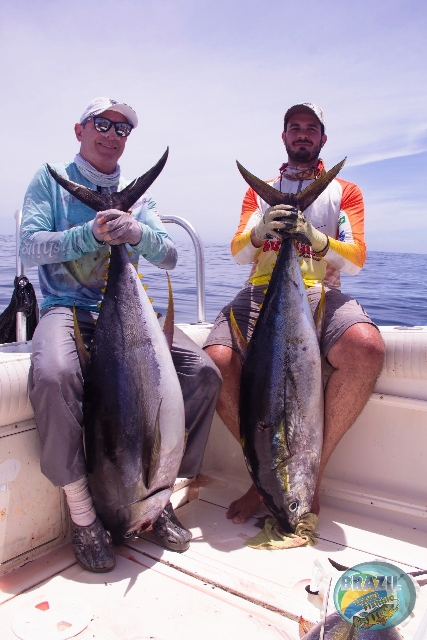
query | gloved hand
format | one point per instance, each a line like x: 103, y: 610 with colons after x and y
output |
x: 272, y: 222
x: 295, y: 224
x: 99, y: 228
x: 116, y: 227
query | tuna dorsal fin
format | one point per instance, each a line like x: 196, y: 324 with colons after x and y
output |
x: 239, y: 339
x: 169, y: 320
x: 301, y: 200
x: 82, y: 352
x: 121, y: 200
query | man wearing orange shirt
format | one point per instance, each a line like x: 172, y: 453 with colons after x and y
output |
x: 334, y: 228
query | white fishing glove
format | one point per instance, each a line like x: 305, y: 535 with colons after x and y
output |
x: 272, y: 223
x: 295, y: 224
x: 116, y: 227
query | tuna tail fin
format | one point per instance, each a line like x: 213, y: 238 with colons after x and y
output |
x: 93, y: 199
x: 270, y: 195
x: 312, y: 192
x: 121, y: 200
x: 169, y: 320
x: 319, y: 319
x: 301, y: 200
x: 82, y: 352
x: 239, y: 339
x: 135, y: 189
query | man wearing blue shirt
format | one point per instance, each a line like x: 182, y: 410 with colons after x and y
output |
x: 70, y: 244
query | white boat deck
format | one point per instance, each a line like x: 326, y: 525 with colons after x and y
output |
x: 374, y: 506
x: 217, y: 588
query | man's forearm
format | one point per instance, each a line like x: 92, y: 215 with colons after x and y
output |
x: 255, y: 240
x: 49, y: 247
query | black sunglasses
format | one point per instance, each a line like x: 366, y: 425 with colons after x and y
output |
x: 103, y: 125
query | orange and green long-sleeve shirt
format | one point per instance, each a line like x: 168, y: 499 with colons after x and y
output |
x: 338, y: 212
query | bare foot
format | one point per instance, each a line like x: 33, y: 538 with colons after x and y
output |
x: 243, y: 508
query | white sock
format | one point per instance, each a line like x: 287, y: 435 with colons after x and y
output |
x: 80, y: 503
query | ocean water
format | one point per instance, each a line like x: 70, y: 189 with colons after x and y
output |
x: 391, y: 287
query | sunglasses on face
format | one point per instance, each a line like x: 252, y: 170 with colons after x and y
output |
x: 103, y: 125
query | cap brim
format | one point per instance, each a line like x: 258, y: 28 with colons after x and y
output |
x: 126, y: 111
x: 300, y: 107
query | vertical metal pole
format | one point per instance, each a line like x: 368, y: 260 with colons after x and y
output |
x: 200, y: 264
x: 21, y: 320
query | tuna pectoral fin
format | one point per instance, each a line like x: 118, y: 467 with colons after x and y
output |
x: 319, y: 318
x: 151, y: 453
x: 82, y: 352
x: 169, y: 320
x: 238, y: 337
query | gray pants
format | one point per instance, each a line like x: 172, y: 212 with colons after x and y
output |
x: 56, y: 393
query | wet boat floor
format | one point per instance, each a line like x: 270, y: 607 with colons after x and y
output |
x: 217, y: 588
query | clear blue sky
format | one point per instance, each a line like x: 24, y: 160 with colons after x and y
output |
x: 212, y: 80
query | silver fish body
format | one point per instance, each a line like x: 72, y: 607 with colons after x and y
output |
x: 133, y: 407
x: 281, y: 396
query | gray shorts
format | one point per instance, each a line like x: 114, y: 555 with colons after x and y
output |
x: 341, y: 313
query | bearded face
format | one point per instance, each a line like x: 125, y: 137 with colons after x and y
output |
x: 303, y: 138
x: 304, y: 152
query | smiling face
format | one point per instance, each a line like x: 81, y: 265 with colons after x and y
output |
x: 303, y: 138
x: 101, y: 150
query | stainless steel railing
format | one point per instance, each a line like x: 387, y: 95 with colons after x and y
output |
x: 21, y: 327
x: 200, y: 264
x: 21, y: 320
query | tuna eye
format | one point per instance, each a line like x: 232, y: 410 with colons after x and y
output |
x: 293, y: 506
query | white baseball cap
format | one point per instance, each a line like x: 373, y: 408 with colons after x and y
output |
x: 101, y: 104
x: 318, y: 112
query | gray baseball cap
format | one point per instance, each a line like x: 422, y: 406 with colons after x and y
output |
x: 318, y: 112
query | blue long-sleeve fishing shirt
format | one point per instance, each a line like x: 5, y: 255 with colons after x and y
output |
x: 56, y: 236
